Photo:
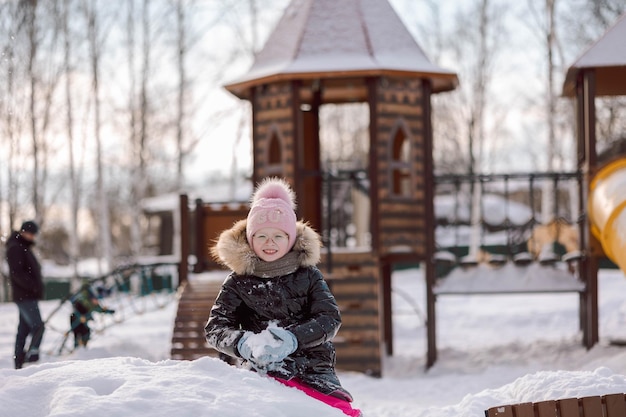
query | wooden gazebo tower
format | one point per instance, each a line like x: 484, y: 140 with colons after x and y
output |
x: 344, y: 51
x: 329, y: 51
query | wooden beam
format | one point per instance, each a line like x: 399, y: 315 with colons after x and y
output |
x: 429, y: 218
x: 200, y: 242
x: 590, y: 263
x: 184, y: 238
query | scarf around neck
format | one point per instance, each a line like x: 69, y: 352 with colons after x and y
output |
x: 283, y: 266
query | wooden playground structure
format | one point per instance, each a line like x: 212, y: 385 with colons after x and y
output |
x: 611, y: 405
x: 397, y: 190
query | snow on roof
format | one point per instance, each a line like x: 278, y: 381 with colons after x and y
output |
x: 222, y: 191
x: 334, y: 37
x: 608, y: 56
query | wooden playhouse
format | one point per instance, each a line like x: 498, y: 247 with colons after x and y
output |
x: 321, y: 52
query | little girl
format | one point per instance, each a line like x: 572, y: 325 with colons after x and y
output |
x: 274, y: 310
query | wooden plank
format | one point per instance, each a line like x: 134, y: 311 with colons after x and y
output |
x: 615, y: 405
x: 388, y: 125
x: 402, y: 222
x: 181, y: 328
x: 266, y: 129
x: 351, y: 277
x: 404, y: 217
x: 404, y: 208
x: 357, y: 350
x: 274, y: 114
x: 346, y: 258
x: 413, y: 242
x: 184, y: 325
x: 412, y: 98
x: 592, y: 406
x: 501, y: 411
x: 360, y: 331
x: 341, y: 265
x: 359, y: 321
x: 610, y: 405
x: 568, y: 407
x: 353, y: 272
x: 399, y: 109
x: 524, y: 410
x: 198, y: 305
x: 356, y: 291
x: 359, y: 316
x: 363, y: 302
x: 347, y: 93
x: 188, y: 339
x: 361, y: 336
x: 546, y: 409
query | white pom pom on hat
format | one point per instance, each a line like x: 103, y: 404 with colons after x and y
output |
x: 273, y: 204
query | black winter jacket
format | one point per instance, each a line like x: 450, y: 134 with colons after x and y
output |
x: 301, y: 302
x: 24, y: 269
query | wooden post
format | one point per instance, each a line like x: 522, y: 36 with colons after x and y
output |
x: 586, y: 124
x: 200, y: 241
x: 386, y: 268
x: 429, y: 217
x: 372, y: 87
x: 184, y: 239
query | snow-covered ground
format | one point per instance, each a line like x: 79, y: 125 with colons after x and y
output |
x: 493, y: 350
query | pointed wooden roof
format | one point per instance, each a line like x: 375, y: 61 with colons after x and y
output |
x: 323, y: 39
x: 607, y: 57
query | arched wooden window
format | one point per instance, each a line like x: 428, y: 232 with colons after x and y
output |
x: 401, y: 164
x: 274, y: 155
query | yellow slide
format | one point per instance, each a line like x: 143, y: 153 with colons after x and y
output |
x: 607, y: 210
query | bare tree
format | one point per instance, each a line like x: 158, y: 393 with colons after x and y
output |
x: 181, y: 38
x: 12, y: 19
x: 142, y: 138
x: 75, y: 188
x: 132, y: 111
x: 467, y: 123
x: 30, y: 14
x: 33, y: 110
x: 95, y: 51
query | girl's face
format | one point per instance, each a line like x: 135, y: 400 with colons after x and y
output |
x: 270, y: 244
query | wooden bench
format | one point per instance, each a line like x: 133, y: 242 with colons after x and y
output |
x: 611, y: 405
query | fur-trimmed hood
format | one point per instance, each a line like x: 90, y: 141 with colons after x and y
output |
x: 233, y: 251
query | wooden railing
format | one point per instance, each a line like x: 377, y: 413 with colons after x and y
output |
x: 611, y: 405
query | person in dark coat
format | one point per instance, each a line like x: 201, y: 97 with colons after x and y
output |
x: 275, y: 311
x: 27, y: 289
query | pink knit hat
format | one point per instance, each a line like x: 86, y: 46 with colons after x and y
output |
x: 272, y: 205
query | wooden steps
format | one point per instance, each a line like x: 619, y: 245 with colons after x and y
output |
x: 196, y: 299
